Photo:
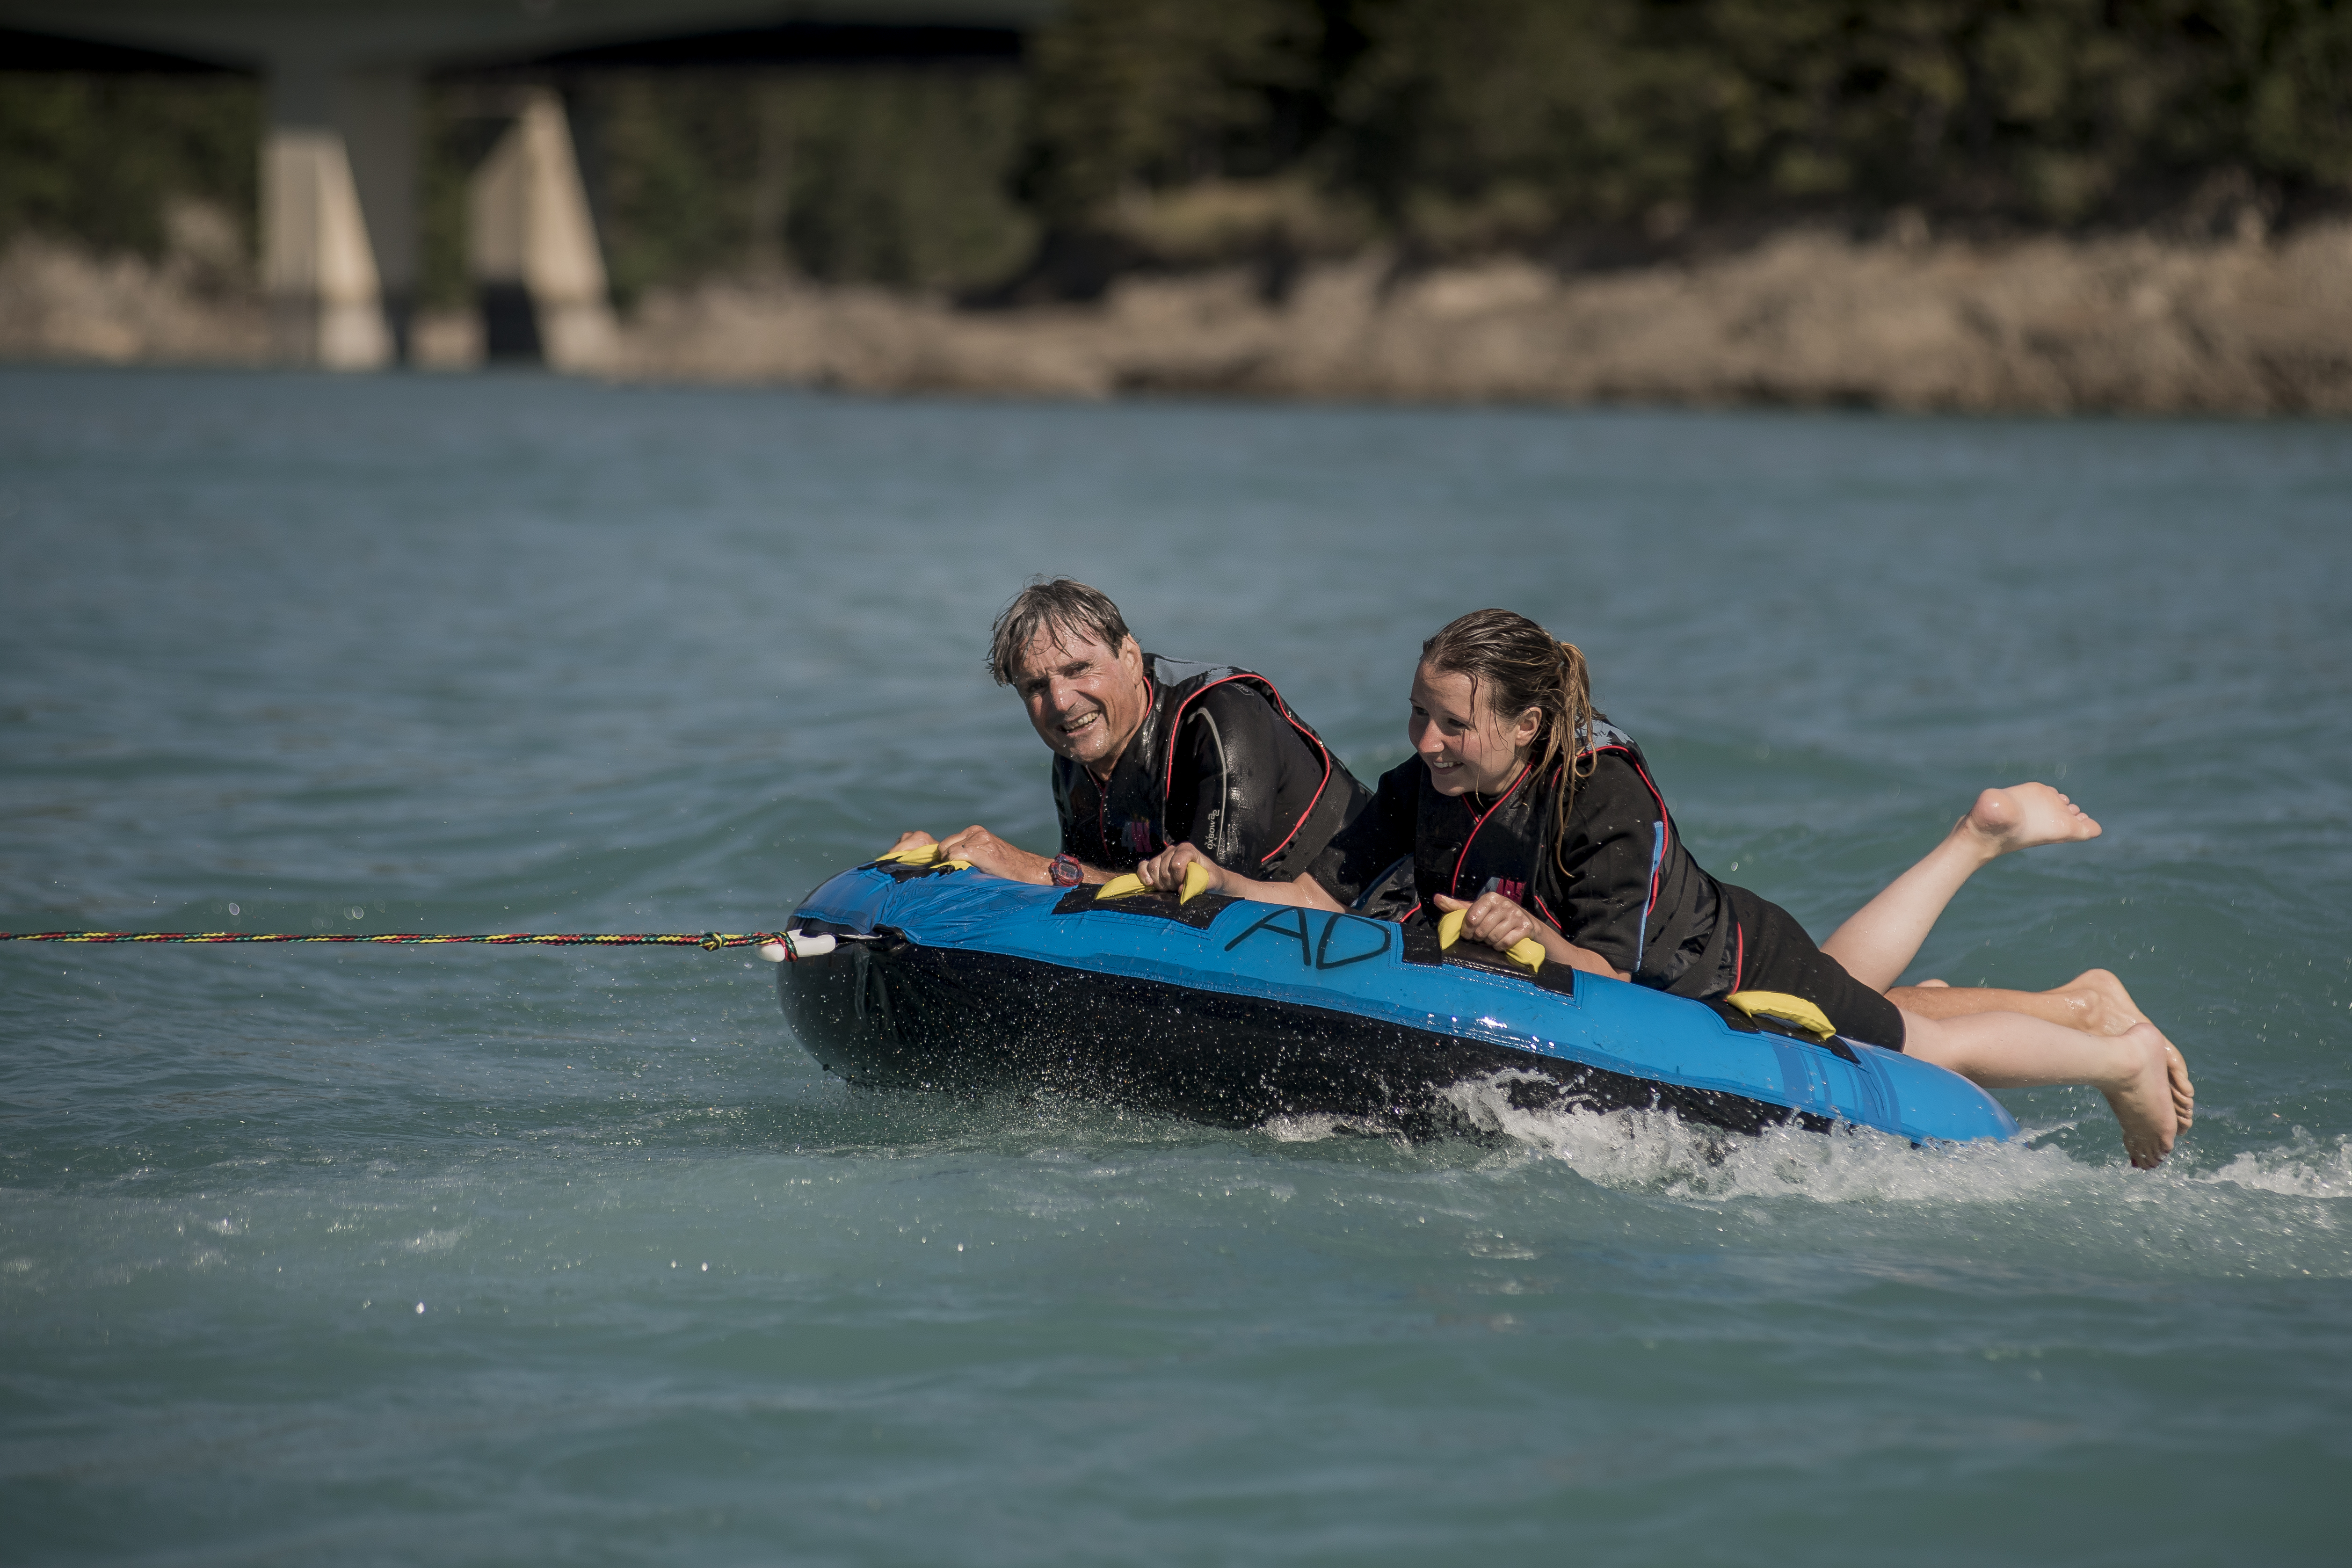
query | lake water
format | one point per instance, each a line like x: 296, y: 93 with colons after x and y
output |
x: 378, y: 1255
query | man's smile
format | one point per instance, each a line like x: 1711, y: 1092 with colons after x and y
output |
x: 1085, y: 699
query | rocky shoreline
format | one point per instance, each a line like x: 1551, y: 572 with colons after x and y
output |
x: 2253, y: 325
x: 57, y: 302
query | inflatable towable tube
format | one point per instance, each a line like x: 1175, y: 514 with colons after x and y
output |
x: 1227, y: 1011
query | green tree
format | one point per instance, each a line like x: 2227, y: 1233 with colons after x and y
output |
x: 97, y: 157
x: 1482, y: 121
x: 1165, y: 92
x: 886, y: 175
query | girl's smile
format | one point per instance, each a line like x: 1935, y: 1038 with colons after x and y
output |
x: 1466, y: 747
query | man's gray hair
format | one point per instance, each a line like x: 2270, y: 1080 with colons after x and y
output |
x: 1062, y: 605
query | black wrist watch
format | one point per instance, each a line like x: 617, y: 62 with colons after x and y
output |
x: 1066, y: 872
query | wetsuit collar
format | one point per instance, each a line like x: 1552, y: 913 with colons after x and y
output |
x: 1481, y: 805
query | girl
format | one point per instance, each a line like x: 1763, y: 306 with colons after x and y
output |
x: 1524, y: 808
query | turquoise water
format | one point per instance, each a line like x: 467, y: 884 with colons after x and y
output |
x: 477, y: 1256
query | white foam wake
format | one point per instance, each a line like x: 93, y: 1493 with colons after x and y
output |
x: 2303, y: 1168
x: 1658, y: 1152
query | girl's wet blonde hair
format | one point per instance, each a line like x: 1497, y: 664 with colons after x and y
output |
x: 1515, y: 664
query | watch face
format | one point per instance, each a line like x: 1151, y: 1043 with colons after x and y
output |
x: 1066, y: 873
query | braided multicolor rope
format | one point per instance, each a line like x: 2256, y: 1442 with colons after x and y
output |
x: 709, y: 942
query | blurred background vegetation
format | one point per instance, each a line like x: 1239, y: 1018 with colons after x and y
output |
x: 1173, y: 132
x: 896, y: 176
x: 101, y: 158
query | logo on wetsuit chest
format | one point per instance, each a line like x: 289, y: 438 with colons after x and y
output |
x: 1139, y: 835
x: 1515, y: 891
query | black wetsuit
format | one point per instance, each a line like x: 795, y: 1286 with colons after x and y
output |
x: 1624, y: 888
x: 1220, y: 762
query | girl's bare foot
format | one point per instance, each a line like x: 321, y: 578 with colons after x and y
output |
x: 2104, y: 1008
x: 2023, y: 817
x: 2141, y: 1097
x: 2100, y: 1003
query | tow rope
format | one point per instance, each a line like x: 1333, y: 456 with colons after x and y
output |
x: 775, y: 946
x: 709, y: 941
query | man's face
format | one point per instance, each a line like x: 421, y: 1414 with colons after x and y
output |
x: 1086, y: 700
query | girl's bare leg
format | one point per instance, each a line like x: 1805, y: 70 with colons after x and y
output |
x: 2093, y: 1002
x: 1879, y: 940
x: 2011, y: 1051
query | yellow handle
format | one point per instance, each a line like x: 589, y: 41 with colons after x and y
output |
x: 1527, y: 950
x: 1196, y: 882
x: 1786, y: 1008
x: 921, y: 855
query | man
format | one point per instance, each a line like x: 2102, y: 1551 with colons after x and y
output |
x: 1150, y: 753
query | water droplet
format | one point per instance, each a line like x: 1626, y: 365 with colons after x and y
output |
x: 358, y: 910
x: 420, y: 1306
x: 234, y: 911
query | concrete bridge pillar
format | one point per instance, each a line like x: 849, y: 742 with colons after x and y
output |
x: 532, y: 246
x: 326, y: 301
x: 339, y: 212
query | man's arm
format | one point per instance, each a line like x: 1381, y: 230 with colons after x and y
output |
x: 1494, y: 920
x: 1166, y: 872
x: 992, y: 855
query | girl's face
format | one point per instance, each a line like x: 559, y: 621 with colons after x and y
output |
x: 1464, y: 743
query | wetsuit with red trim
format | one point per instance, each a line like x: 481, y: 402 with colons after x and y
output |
x: 1219, y: 762
x: 1624, y: 888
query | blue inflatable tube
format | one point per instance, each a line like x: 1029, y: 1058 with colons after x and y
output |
x: 1232, y: 1012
